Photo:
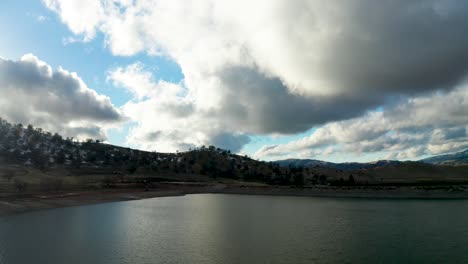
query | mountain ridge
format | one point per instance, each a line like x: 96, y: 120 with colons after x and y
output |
x: 308, y: 163
x: 452, y: 159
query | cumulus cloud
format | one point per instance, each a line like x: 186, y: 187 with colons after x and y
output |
x: 134, y: 79
x: 277, y: 66
x: 81, y: 16
x: 58, y: 101
x: 431, y: 124
x: 168, y: 118
x: 313, y: 47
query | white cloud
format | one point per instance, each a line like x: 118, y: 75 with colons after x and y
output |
x: 313, y: 47
x: 134, y: 79
x: 280, y: 66
x: 81, y: 16
x: 58, y: 101
x: 41, y: 18
x: 432, y: 124
x: 167, y: 117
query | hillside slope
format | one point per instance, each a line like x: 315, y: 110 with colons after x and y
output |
x: 34, y: 149
x: 311, y: 163
x: 32, y: 158
x: 459, y: 158
x: 454, y: 159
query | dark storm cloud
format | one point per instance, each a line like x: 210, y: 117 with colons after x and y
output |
x: 400, y: 46
x: 382, y: 51
x: 229, y: 141
x: 265, y: 105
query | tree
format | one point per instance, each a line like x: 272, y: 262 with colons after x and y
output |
x: 20, y: 185
x: 38, y: 158
x: 351, y: 180
x: 298, y: 179
x: 322, y: 179
x: 56, y: 138
x: 77, y: 159
x: 9, y: 175
x: 60, y: 159
x: 132, y: 167
x: 210, y: 169
x: 315, y: 179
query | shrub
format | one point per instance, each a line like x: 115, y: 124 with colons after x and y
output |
x: 20, y: 185
x: 51, y: 184
x: 8, y: 175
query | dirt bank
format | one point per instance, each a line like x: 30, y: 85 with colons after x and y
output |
x: 13, y: 203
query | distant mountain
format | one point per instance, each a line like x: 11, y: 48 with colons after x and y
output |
x: 459, y: 158
x: 311, y: 163
x: 304, y: 163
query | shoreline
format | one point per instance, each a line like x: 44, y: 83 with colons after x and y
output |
x: 15, y: 203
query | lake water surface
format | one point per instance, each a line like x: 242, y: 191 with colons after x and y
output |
x: 218, y: 228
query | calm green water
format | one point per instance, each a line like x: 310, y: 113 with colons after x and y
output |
x: 211, y: 228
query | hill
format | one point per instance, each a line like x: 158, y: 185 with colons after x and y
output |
x: 310, y: 163
x: 459, y: 158
x: 35, y: 160
x: 43, y: 153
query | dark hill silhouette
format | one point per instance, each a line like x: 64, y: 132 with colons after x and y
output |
x: 31, y: 155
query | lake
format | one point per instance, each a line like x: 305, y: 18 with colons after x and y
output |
x: 221, y: 228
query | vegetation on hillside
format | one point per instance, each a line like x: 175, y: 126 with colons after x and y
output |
x: 28, y: 148
x: 33, y: 147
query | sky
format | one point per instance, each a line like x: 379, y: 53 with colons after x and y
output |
x: 357, y: 80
